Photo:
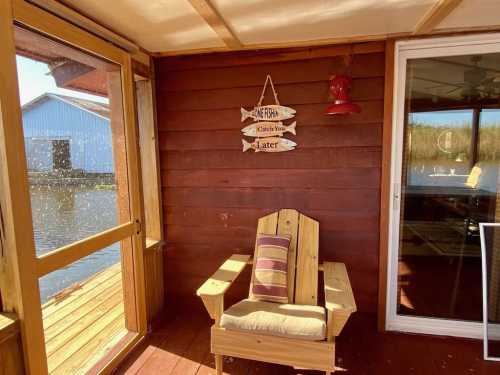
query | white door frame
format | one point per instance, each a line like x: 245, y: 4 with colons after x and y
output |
x: 404, y: 50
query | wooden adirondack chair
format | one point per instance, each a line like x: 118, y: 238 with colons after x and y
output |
x: 303, y: 272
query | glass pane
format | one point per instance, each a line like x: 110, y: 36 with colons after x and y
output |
x: 439, y: 145
x: 449, y: 183
x: 77, y: 168
x: 83, y: 311
x: 74, y: 141
x: 55, y: 282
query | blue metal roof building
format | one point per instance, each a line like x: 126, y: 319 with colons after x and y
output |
x: 66, y: 133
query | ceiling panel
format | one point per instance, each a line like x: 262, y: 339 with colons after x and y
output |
x: 473, y: 13
x: 278, y: 21
x: 471, y: 77
x: 156, y: 25
x: 175, y: 26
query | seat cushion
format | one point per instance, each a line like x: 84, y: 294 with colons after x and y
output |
x: 270, y: 278
x: 286, y: 320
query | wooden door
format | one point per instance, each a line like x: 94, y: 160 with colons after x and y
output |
x: 53, y: 225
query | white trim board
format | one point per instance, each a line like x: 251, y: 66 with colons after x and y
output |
x: 404, y: 50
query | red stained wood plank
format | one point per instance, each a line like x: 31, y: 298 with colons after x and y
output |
x: 311, y: 137
x: 247, y: 217
x: 360, y: 350
x: 265, y: 56
x: 300, y: 199
x: 347, y: 243
x: 301, y: 158
x: 336, y: 178
x: 171, y: 350
x: 240, y: 237
x: 215, y: 216
x: 359, y: 256
x: 145, y: 350
x: 191, y: 360
x: 136, y: 360
x: 213, y: 193
x: 307, y: 115
x: 372, y: 65
x: 231, y: 366
x: 289, y: 95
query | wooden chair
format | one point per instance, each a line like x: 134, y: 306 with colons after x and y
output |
x: 303, y: 272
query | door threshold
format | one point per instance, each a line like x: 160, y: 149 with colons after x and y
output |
x: 438, y: 327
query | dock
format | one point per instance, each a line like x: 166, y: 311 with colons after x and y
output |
x: 83, y: 322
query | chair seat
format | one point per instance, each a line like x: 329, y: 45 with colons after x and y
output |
x: 302, y: 322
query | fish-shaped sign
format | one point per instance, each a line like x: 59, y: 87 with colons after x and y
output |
x: 271, y: 112
x: 268, y: 129
x: 270, y: 144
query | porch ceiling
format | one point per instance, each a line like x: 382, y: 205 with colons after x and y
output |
x: 184, y: 26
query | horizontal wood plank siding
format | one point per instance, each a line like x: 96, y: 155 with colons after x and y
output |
x: 213, y: 193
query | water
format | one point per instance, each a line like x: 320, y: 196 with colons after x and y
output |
x: 65, y: 214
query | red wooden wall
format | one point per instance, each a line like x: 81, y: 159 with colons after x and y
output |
x: 213, y: 193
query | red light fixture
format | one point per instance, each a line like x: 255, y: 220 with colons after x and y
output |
x: 340, y: 87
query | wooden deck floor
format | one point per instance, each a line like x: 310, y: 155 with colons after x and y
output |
x: 84, y: 322
x: 181, y: 346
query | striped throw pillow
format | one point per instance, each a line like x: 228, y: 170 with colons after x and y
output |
x: 270, y: 280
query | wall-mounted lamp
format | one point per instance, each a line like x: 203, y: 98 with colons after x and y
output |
x: 340, y: 87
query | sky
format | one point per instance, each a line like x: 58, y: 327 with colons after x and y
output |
x: 34, y: 81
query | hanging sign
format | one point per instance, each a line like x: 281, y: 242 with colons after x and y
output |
x: 271, y: 144
x: 268, y: 112
x: 269, y: 126
x: 268, y: 129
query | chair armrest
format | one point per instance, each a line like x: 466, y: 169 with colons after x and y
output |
x: 212, y: 291
x: 339, y: 299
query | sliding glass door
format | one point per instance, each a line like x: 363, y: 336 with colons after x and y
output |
x: 445, y: 182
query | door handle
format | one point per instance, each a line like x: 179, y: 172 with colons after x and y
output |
x: 396, y: 195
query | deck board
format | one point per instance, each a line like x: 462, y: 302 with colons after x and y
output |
x: 84, y: 322
x: 174, y: 348
x: 66, y: 309
x: 55, y: 304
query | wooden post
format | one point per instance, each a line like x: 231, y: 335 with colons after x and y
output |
x: 18, y: 277
x: 148, y: 137
x: 123, y: 200
x: 135, y: 187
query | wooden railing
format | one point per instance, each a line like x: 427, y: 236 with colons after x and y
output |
x: 11, y: 357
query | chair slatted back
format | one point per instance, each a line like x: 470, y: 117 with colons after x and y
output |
x: 303, y: 255
x: 306, y: 277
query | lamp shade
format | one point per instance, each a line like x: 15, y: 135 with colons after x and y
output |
x: 340, y: 86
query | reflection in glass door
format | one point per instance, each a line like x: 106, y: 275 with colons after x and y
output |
x: 446, y: 182
x: 76, y: 154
